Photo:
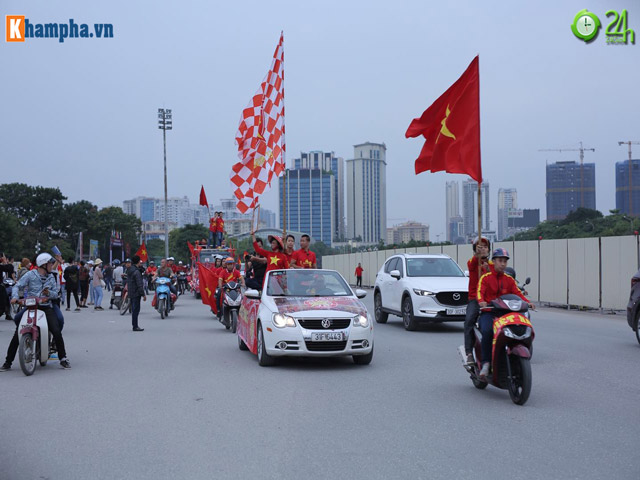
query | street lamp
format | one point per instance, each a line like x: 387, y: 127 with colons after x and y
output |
x: 165, y: 123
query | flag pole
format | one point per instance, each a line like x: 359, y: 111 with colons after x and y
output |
x: 284, y: 204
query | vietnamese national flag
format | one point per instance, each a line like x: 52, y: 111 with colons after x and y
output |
x: 142, y: 252
x: 203, y: 198
x: 207, y: 288
x: 451, y: 127
x: 191, y: 248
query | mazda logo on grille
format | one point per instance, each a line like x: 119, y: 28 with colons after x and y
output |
x: 456, y: 296
x: 326, y: 323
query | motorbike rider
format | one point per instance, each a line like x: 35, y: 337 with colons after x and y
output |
x: 165, y: 271
x: 229, y: 274
x: 493, y: 285
x: 39, y: 283
x: 480, y: 261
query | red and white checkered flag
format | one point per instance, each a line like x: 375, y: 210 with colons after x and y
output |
x: 260, y: 137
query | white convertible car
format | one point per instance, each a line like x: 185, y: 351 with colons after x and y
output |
x: 305, y: 312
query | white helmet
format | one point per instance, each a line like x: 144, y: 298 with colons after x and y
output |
x: 43, y: 259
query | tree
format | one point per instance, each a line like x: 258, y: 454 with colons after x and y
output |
x: 155, y: 248
x: 37, y: 207
x: 179, y: 237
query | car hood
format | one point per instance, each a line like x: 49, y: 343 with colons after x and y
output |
x: 440, y: 284
x: 321, y: 306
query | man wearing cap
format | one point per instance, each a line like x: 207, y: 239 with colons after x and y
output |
x: 304, y: 258
x: 229, y: 274
x: 493, y: 285
x: 276, y: 258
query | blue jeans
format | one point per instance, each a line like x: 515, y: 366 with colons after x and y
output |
x: 486, y: 328
x: 97, y: 295
x: 212, y: 238
x: 109, y: 283
x: 219, y: 239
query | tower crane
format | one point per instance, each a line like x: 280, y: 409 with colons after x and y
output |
x: 630, y: 142
x: 581, y: 150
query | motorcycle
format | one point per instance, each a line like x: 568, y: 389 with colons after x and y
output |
x: 512, y: 349
x: 163, y: 299
x: 33, y: 336
x: 12, y: 309
x: 231, y: 301
x: 116, y: 295
x: 183, y: 284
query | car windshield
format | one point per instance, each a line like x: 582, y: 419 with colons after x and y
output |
x: 209, y: 256
x: 307, y: 283
x: 433, y: 267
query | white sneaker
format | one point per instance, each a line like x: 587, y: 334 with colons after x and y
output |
x: 484, y: 371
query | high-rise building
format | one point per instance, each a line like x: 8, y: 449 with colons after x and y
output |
x: 452, y: 197
x: 310, y: 203
x: 367, y: 193
x: 141, y: 207
x: 507, y: 203
x: 470, y: 208
x: 175, y: 209
x: 405, y: 232
x: 455, y: 230
x: 523, y: 220
x: 328, y: 162
x: 623, y: 185
x: 569, y: 187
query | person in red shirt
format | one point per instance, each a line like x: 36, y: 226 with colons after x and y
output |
x: 477, y: 265
x: 493, y: 285
x: 219, y: 230
x: 359, y: 271
x: 289, y: 245
x: 276, y: 258
x: 213, y: 228
x: 304, y: 258
x: 229, y: 273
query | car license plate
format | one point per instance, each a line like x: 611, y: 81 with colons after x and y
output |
x: 117, y: 294
x: 457, y: 311
x: 327, y: 337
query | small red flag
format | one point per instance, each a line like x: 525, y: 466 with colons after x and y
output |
x: 142, y: 252
x: 190, y: 248
x: 451, y: 127
x: 203, y: 198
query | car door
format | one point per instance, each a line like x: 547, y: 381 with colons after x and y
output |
x: 386, y: 282
x: 396, y: 286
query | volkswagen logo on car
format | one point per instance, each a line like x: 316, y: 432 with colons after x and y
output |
x: 326, y: 323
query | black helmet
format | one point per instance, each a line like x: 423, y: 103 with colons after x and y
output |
x: 511, y: 272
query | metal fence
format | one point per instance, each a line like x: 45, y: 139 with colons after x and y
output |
x: 586, y: 272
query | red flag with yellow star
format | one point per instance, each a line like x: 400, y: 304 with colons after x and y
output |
x: 142, y: 252
x: 451, y: 128
x: 208, y: 283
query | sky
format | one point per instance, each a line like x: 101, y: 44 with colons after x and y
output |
x: 82, y: 115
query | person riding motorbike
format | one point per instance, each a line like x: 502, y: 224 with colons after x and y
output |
x: 38, y: 283
x: 493, y: 285
x: 480, y: 261
x: 165, y: 271
x: 229, y: 274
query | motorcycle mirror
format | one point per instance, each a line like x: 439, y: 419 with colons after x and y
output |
x: 527, y: 281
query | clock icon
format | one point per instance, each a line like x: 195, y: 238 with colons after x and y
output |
x: 585, y: 25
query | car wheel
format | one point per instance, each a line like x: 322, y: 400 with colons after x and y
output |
x: 638, y: 327
x: 241, y: 345
x: 381, y: 317
x: 264, y: 359
x: 363, y: 359
x: 408, y: 319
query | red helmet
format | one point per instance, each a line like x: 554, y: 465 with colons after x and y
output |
x: 484, y: 239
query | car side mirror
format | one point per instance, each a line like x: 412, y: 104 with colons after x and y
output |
x: 466, y: 273
x: 361, y: 293
x: 527, y: 281
x: 252, y: 293
x: 395, y: 274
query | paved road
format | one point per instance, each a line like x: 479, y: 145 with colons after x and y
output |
x: 181, y: 401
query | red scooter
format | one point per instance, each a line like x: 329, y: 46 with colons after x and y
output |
x: 33, y: 336
x: 512, y: 349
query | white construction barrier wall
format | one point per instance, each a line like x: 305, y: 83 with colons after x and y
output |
x: 584, y: 272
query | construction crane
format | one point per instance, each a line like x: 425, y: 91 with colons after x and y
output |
x: 630, y: 142
x: 581, y: 150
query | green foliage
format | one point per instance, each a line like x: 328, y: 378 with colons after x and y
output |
x: 179, y: 237
x: 583, y: 223
x: 155, y: 249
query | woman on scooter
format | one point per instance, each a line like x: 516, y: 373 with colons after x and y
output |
x: 493, y: 285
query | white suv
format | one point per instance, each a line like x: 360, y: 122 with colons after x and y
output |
x: 421, y: 288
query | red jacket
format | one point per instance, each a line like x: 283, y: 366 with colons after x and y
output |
x: 493, y: 285
x: 472, y: 266
x: 275, y: 260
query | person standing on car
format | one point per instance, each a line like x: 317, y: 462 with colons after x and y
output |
x: 213, y: 228
x: 304, y: 258
x: 493, y: 285
x: 219, y: 229
x: 135, y: 286
x: 477, y: 265
x: 276, y: 258
x: 359, y: 271
x: 289, y: 246
x: 258, y: 268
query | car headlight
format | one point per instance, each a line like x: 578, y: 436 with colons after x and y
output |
x: 423, y: 293
x: 361, y: 321
x: 282, y: 321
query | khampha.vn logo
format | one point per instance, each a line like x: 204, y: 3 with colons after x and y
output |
x: 19, y: 28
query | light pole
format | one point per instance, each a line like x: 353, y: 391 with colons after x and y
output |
x: 165, y: 123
